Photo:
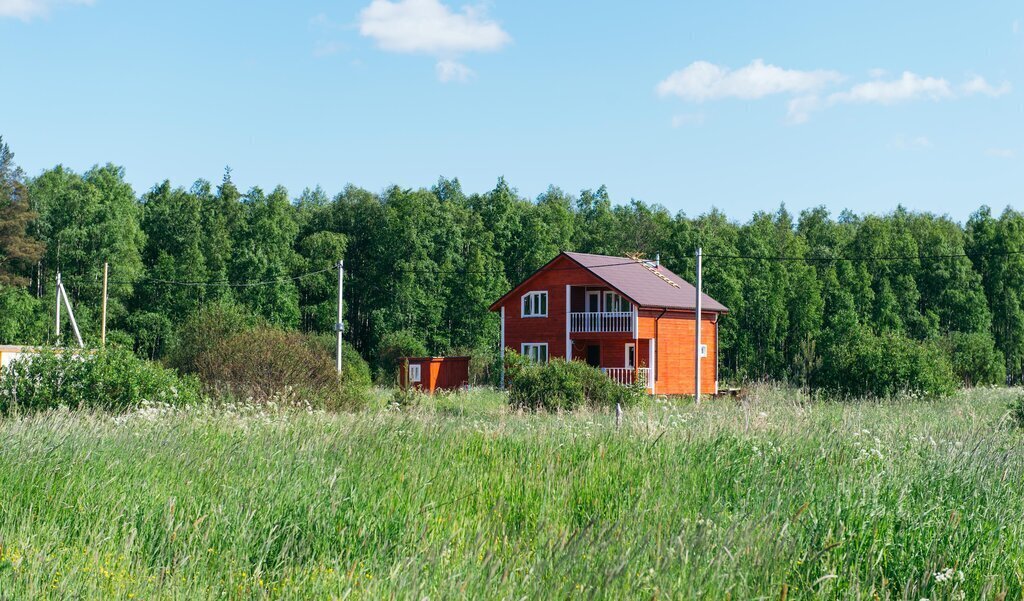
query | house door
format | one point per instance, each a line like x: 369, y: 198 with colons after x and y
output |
x: 593, y: 302
x: 594, y: 355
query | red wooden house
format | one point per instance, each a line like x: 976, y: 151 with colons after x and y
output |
x: 631, y: 318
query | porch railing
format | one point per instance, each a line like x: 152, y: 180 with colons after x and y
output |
x: 626, y: 375
x: 599, y: 322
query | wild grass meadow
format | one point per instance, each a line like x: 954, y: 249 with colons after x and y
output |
x: 459, y: 497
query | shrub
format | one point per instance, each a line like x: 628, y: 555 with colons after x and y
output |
x: 975, y: 358
x: 113, y: 380
x: 267, y: 364
x: 394, y: 346
x: 886, y: 366
x: 563, y: 386
x: 207, y: 328
x: 1017, y: 411
x: 354, y: 369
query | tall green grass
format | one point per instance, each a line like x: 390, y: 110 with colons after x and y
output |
x: 460, y: 498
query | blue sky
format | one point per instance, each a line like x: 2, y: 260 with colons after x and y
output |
x: 739, y: 105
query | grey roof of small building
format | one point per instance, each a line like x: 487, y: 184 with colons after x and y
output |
x: 646, y: 285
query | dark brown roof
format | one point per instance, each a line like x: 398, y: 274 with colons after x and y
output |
x: 647, y: 287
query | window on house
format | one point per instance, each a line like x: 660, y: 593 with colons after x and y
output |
x: 536, y: 352
x: 630, y: 356
x: 414, y: 373
x: 535, y: 304
x: 615, y: 303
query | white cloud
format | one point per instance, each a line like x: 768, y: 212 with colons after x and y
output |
x: 428, y: 26
x: 687, y: 119
x: 877, y: 73
x: 800, y: 109
x: 1001, y: 153
x: 702, y: 81
x: 26, y: 10
x: 908, y: 87
x: 978, y: 85
x: 449, y: 70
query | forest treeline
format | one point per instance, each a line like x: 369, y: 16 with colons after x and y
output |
x: 840, y: 301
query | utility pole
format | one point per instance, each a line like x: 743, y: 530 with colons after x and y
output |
x: 696, y: 393
x: 339, y: 327
x: 103, y: 322
x: 62, y: 293
x: 56, y: 327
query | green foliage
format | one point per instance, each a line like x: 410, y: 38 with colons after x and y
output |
x: 354, y: 369
x: 23, y: 318
x: 1017, y: 411
x: 206, y: 328
x: 111, y: 380
x: 394, y: 346
x: 975, y: 359
x: 271, y: 365
x: 19, y: 249
x: 886, y: 366
x: 563, y: 386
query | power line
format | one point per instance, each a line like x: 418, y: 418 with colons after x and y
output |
x: 863, y: 258
x: 224, y: 283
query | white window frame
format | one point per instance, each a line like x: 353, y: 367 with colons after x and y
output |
x: 615, y: 302
x: 527, y: 351
x: 591, y: 294
x: 630, y: 345
x: 533, y: 300
x: 415, y: 373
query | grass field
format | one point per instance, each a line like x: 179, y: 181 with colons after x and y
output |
x: 461, y: 498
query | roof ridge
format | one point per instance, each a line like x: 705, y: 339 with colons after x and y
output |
x: 646, y: 264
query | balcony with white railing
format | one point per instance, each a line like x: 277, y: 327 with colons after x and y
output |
x: 627, y: 375
x: 599, y: 322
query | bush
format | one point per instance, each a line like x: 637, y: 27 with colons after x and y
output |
x: 354, y: 369
x: 975, y: 358
x: 563, y: 386
x: 267, y: 364
x: 394, y: 346
x: 113, y: 380
x: 1017, y: 411
x: 207, y: 328
x: 886, y: 366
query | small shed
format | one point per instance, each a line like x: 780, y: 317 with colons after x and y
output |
x: 10, y: 352
x: 430, y: 374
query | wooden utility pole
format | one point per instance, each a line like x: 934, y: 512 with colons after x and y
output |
x: 339, y: 327
x: 696, y: 392
x: 103, y: 320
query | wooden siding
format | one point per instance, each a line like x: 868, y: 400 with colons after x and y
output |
x: 436, y: 373
x: 675, y: 356
x: 550, y: 329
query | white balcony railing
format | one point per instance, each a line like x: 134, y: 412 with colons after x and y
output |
x: 600, y: 322
x: 626, y: 375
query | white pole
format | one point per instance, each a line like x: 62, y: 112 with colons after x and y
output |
x: 340, y: 326
x: 57, y: 324
x: 71, y: 315
x: 103, y: 322
x: 501, y: 350
x: 696, y: 392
